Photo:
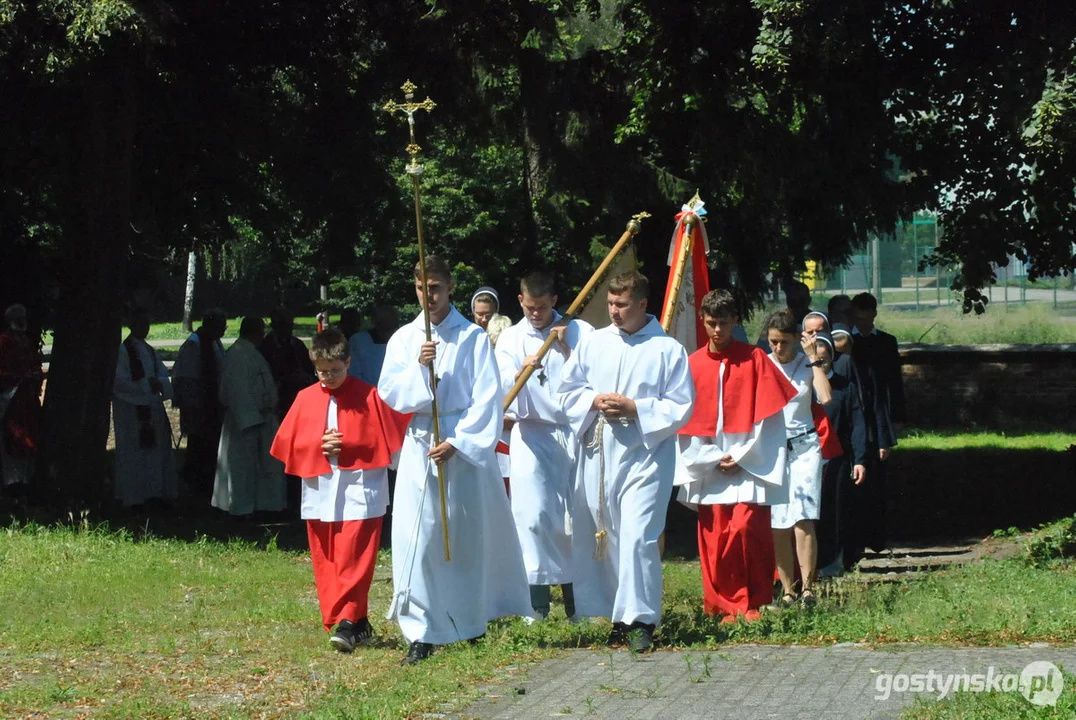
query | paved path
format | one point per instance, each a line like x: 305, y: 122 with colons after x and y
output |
x: 844, y: 681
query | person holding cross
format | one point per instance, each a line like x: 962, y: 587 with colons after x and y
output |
x: 437, y: 601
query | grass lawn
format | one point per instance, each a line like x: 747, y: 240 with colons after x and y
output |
x: 960, y: 440
x: 99, y: 622
x: 1033, y: 323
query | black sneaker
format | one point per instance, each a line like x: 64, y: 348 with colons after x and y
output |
x: 418, y: 652
x: 619, y: 635
x: 364, y: 631
x: 345, y: 637
x: 640, y: 637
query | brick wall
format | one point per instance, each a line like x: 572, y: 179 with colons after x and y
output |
x: 990, y: 386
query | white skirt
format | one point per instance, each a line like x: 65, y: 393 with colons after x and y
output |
x: 805, y: 484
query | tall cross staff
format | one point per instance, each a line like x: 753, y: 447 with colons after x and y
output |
x: 414, y: 168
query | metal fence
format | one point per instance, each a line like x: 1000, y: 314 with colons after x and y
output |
x: 890, y: 267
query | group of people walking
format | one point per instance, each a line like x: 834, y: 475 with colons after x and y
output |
x: 780, y: 451
x: 607, y: 424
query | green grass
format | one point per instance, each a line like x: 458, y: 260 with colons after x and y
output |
x: 93, y: 620
x: 915, y: 439
x: 304, y: 327
x: 994, y: 602
x: 1020, y: 324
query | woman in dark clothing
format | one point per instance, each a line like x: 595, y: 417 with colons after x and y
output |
x: 841, y: 474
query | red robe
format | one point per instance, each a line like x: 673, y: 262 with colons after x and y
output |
x: 735, y: 541
x: 343, y: 553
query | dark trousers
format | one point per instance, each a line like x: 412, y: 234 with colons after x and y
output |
x: 868, y: 511
x: 200, y: 466
x: 834, y: 528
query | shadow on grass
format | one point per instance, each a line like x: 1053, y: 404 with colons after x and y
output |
x: 934, y: 496
x: 943, y: 496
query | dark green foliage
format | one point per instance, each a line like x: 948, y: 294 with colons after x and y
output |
x: 134, y: 131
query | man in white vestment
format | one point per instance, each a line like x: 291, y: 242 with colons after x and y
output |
x: 145, y: 463
x: 626, y: 390
x: 543, y: 448
x: 437, y: 601
x: 248, y: 479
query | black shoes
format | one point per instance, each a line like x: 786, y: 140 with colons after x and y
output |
x: 418, y: 652
x: 640, y: 637
x: 349, y: 635
x: 619, y: 635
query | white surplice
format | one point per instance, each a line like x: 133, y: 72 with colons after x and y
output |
x: 436, y: 601
x: 760, y: 476
x: 142, y: 473
x: 541, y: 451
x: 248, y: 478
x: 637, y: 458
x: 342, y: 495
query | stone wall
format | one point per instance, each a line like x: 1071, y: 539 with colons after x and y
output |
x: 990, y: 386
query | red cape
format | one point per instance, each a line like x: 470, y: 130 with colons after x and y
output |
x: 755, y: 389
x: 372, y: 430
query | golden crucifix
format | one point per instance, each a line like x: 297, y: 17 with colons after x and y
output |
x: 409, y: 107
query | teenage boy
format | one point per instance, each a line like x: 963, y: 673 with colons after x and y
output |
x: 626, y: 390
x: 437, y: 601
x: 542, y: 447
x: 732, y: 463
x: 339, y: 437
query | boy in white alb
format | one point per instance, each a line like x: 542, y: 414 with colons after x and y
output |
x: 625, y: 390
x: 543, y: 446
x: 437, y: 601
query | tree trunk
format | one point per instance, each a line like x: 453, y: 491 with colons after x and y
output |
x: 96, y: 234
x: 188, y: 295
x: 536, y: 127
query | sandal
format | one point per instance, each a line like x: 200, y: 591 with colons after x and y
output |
x: 787, y: 600
x: 808, y: 598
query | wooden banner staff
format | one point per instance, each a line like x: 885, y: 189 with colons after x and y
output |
x: 681, y: 260
x: 634, y: 226
x: 414, y: 169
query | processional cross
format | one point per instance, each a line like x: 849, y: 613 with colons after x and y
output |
x: 410, y: 107
x: 414, y: 168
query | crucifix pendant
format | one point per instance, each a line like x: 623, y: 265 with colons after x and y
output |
x: 541, y: 377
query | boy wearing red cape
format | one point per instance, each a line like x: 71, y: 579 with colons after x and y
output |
x: 339, y: 437
x: 732, y: 462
